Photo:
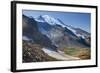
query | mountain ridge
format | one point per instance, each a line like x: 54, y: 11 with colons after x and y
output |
x: 57, y: 32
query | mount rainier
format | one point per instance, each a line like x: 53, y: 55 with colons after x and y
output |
x: 53, y: 34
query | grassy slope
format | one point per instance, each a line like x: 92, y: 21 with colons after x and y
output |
x: 83, y: 53
x: 33, y: 53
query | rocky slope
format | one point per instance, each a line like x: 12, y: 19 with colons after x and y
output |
x: 33, y: 53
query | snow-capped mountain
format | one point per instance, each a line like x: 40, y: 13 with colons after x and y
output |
x: 55, y: 21
x: 49, y: 31
x: 49, y: 19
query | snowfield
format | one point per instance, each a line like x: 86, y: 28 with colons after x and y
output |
x: 59, y: 55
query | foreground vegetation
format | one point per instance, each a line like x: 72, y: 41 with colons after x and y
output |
x: 33, y: 53
x: 82, y: 53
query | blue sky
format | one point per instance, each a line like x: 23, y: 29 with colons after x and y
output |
x: 78, y: 20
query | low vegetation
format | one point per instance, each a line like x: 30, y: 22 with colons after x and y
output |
x: 82, y: 53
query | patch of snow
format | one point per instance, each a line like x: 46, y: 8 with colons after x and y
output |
x: 39, y: 20
x: 59, y: 55
x: 26, y: 38
x: 83, y: 36
x: 47, y: 50
x: 75, y: 32
x: 62, y: 25
x: 78, y: 35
